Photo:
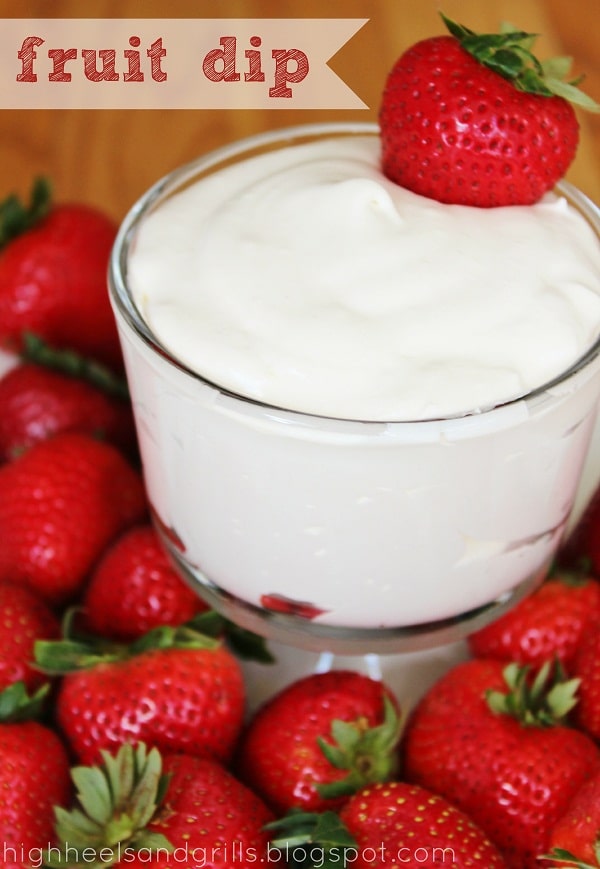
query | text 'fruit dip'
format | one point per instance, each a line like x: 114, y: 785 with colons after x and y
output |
x: 401, y: 484
x: 306, y: 280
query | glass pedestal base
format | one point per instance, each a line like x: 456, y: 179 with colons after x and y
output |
x: 310, y: 635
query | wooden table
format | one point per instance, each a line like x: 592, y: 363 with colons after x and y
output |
x: 110, y: 157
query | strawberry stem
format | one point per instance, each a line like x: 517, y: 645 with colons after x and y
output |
x: 311, y: 840
x: 509, y: 54
x: 243, y: 643
x: 15, y: 218
x: 542, y: 702
x: 68, y: 362
x: 575, y: 577
x: 560, y: 857
x: 117, y: 800
x: 80, y: 651
x: 367, y: 753
x: 17, y: 705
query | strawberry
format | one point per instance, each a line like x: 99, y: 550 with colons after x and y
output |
x: 53, y: 267
x: 583, y: 545
x: 279, y: 603
x: 548, y: 624
x: 137, y: 808
x: 24, y: 618
x: 61, y: 503
x: 587, y: 668
x: 385, y: 824
x: 403, y: 823
x: 38, y: 403
x: 174, y: 688
x: 320, y: 739
x: 506, y: 759
x: 476, y: 120
x: 134, y: 588
x: 575, y: 838
x: 34, y: 778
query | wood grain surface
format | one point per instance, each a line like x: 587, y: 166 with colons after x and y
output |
x: 110, y: 157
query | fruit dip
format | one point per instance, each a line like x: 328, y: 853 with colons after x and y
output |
x: 306, y: 280
x: 341, y: 387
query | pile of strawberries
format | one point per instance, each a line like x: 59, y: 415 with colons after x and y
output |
x: 124, y: 736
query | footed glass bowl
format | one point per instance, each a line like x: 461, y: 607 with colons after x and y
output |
x: 343, y: 535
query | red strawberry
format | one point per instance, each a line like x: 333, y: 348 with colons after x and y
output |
x: 53, y: 279
x: 24, y: 618
x: 512, y: 765
x: 134, y: 588
x: 320, y: 739
x: 61, y: 503
x: 279, y: 603
x: 475, y: 120
x: 583, y: 545
x: 399, y: 823
x: 207, y: 811
x: 34, y: 777
x: 174, y: 688
x: 587, y: 668
x: 576, y: 835
x: 38, y: 403
x: 136, y: 810
x: 549, y: 623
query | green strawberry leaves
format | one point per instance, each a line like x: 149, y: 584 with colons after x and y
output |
x: 570, y: 92
x: 16, y: 704
x: 311, y: 839
x: 79, y: 651
x: 509, y: 53
x: 243, y: 643
x: 116, y: 801
x: 368, y: 753
x: 560, y: 857
x: 542, y: 701
x: 16, y: 218
x: 73, y: 364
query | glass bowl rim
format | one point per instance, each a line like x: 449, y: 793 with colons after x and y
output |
x: 175, y: 179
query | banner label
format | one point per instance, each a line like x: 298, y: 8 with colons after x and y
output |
x: 178, y: 63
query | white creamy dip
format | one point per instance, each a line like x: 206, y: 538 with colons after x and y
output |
x: 305, y: 279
